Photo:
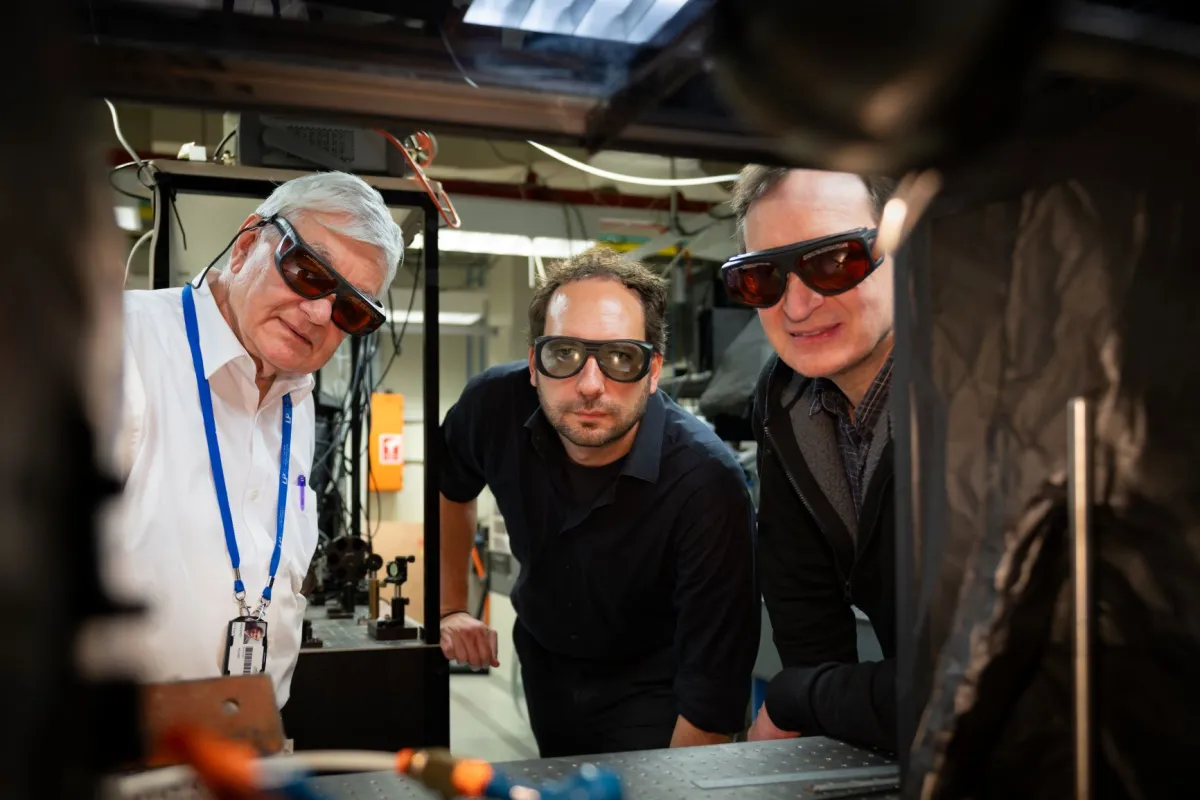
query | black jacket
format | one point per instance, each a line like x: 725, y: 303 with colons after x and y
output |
x: 811, y: 573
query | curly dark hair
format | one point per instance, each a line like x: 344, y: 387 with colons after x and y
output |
x: 604, y: 262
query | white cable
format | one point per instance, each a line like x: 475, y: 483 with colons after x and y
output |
x: 274, y: 770
x: 335, y: 761
x: 133, y: 250
x: 616, y: 176
x: 153, y: 782
x: 121, y: 136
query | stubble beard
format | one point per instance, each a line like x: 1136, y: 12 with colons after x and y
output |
x: 622, y: 421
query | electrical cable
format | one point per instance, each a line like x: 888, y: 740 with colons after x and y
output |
x: 119, y: 190
x: 145, y: 165
x: 121, y: 136
x: 178, y: 221
x: 567, y: 221
x: 445, y: 210
x: 398, y: 342
x: 634, y: 179
x: 342, y: 424
x: 506, y: 159
x: 270, y: 770
x: 454, y: 58
x: 397, y: 345
x: 223, y: 142
x: 365, y: 454
x: 133, y: 251
x: 582, y: 225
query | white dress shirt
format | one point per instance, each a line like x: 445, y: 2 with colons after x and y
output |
x: 165, y: 544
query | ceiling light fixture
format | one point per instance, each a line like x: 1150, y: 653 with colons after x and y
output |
x: 453, y: 318
x: 630, y: 21
x: 505, y: 244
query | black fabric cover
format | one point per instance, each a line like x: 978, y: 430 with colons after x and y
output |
x: 1068, y: 265
x: 732, y: 385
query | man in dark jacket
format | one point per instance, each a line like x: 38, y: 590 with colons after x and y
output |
x: 822, y: 421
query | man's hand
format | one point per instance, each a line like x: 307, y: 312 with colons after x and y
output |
x: 764, y: 730
x: 469, y: 641
x: 688, y: 735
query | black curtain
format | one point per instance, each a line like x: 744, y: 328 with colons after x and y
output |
x: 1066, y: 263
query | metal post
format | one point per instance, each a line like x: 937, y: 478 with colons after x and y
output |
x: 917, y: 469
x: 437, y: 684
x: 160, y: 254
x: 1079, y: 490
x: 356, y: 452
x: 431, y: 390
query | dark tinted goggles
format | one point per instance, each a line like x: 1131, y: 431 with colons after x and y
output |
x: 307, y: 274
x: 829, y: 266
x: 622, y: 360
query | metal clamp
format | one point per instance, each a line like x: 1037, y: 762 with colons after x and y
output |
x: 263, y: 604
x: 240, y: 596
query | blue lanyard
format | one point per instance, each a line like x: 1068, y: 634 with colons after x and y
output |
x: 218, y: 473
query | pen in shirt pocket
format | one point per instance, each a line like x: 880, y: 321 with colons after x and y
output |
x: 301, y: 483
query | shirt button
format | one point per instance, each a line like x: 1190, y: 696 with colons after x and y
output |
x: 254, y: 494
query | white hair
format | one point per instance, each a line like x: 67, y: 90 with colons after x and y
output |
x: 365, y: 217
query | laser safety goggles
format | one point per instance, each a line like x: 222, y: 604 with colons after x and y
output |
x: 621, y: 360
x: 311, y: 277
x: 829, y: 266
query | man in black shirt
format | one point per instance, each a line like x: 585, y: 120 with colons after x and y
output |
x: 826, y: 532
x: 637, y: 612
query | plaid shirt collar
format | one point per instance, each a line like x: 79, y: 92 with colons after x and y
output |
x: 828, y: 396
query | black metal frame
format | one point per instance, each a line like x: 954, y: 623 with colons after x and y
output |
x: 436, y: 691
x: 913, y: 680
x: 662, y: 76
x: 155, y: 55
x: 146, y: 54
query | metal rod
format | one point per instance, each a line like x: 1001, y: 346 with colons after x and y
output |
x: 436, y: 687
x: 1080, y: 491
x: 431, y: 391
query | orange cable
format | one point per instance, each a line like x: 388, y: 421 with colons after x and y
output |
x: 446, y: 211
x: 225, y: 767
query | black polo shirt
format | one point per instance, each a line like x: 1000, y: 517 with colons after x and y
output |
x: 661, y: 560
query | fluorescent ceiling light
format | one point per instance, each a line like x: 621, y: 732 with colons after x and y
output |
x: 550, y: 247
x: 504, y: 244
x: 460, y: 241
x: 458, y: 318
x: 632, y: 21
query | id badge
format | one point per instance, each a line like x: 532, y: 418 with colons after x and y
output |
x: 246, y: 646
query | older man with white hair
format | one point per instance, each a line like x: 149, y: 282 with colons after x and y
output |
x: 215, y: 532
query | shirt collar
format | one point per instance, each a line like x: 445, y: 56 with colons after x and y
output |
x: 827, y: 395
x: 220, y: 346
x: 645, y: 457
